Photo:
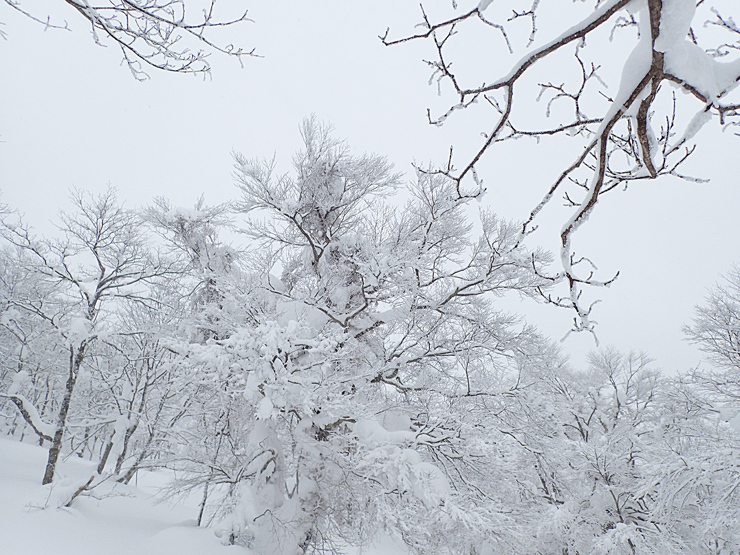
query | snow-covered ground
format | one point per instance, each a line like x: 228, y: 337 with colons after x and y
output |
x: 127, y: 521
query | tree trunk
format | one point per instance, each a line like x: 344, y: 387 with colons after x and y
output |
x: 203, y: 502
x: 126, y: 478
x: 143, y: 453
x: 104, y: 456
x: 122, y: 455
x: 75, y: 361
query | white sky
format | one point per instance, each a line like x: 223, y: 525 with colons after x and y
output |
x: 73, y: 117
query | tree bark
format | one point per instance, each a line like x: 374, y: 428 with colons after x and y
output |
x: 105, y: 455
x: 124, y: 448
x: 75, y: 361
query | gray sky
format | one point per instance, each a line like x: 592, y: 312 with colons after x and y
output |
x: 73, y: 117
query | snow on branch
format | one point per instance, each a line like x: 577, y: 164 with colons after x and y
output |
x: 31, y: 416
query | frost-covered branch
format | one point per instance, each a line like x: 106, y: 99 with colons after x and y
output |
x: 154, y: 34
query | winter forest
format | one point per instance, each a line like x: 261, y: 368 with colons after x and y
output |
x: 340, y: 355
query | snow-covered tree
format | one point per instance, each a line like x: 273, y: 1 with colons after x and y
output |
x: 352, y: 388
x: 213, y: 290
x: 624, y: 460
x: 30, y: 355
x: 133, y: 376
x: 606, y: 75
x: 716, y: 330
x: 206, y: 267
x: 100, y: 258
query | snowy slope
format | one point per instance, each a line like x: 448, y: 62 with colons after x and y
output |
x: 128, y: 521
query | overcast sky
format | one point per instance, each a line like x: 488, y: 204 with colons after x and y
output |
x: 72, y: 116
